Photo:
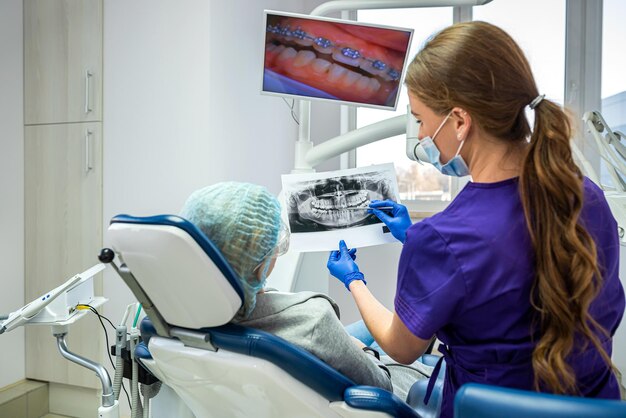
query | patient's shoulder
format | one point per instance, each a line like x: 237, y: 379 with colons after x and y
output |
x: 272, y: 303
x: 324, y: 306
x: 294, y: 318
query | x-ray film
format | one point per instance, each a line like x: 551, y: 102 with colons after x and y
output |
x: 323, y: 208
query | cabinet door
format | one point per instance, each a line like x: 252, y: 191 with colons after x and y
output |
x: 62, y: 61
x: 63, y: 236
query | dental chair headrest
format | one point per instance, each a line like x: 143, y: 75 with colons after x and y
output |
x: 178, y: 268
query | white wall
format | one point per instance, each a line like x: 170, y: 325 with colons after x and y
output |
x: 11, y: 187
x: 182, y: 107
x: 379, y: 265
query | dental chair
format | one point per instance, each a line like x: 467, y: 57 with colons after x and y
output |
x: 486, y: 401
x: 190, y: 293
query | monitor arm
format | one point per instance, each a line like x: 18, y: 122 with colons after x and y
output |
x: 610, y: 146
x: 613, y: 151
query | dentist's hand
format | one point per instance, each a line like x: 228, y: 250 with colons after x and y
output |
x: 398, y: 221
x: 341, y: 265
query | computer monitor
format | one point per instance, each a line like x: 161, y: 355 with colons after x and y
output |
x: 342, y: 61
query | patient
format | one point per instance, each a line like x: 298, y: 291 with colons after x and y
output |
x: 243, y: 221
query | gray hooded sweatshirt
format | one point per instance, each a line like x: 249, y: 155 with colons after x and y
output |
x: 310, y: 321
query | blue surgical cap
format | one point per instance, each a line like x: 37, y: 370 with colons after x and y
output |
x: 243, y: 221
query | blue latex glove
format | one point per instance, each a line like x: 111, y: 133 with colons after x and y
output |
x: 397, y: 220
x: 341, y: 265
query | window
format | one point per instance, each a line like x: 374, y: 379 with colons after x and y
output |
x: 613, y: 67
x: 613, y: 57
x: 415, y: 181
x: 539, y: 28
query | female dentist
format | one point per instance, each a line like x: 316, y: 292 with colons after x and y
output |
x: 518, y: 276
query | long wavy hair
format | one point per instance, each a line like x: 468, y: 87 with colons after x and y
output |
x: 479, y: 67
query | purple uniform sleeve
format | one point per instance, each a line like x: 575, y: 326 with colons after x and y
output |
x: 431, y: 287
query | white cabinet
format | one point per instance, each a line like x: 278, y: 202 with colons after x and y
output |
x: 62, y: 172
x: 62, y: 61
x: 63, y: 235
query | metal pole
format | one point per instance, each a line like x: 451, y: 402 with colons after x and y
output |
x: 108, y: 398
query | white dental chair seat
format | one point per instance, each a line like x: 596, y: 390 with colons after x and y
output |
x: 190, y: 293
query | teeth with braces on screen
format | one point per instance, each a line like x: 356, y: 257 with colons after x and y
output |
x: 343, y: 54
x: 334, y: 73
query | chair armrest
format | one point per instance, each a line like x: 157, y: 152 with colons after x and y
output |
x: 416, y: 395
x: 473, y: 400
x: 430, y: 359
x: 376, y: 399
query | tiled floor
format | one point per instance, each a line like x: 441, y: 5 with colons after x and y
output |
x: 27, y: 399
x: 31, y: 399
x: 54, y: 416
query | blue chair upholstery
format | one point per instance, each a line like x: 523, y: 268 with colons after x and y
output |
x: 376, y: 399
x: 476, y: 400
x: 416, y: 395
x: 142, y: 351
x: 431, y: 360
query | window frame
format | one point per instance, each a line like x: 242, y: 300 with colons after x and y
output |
x: 583, y: 67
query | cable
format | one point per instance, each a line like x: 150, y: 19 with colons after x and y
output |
x: 101, y: 316
x: 106, y: 337
x: 137, y: 316
x: 293, y: 114
x: 137, y: 406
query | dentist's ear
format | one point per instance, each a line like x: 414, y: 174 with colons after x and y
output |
x: 462, y: 123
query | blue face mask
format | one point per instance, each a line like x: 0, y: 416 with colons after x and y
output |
x: 427, y: 151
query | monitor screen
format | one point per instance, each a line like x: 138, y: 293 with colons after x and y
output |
x: 330, y: 59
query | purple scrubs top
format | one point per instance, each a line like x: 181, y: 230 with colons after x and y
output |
x: 465, y: 275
